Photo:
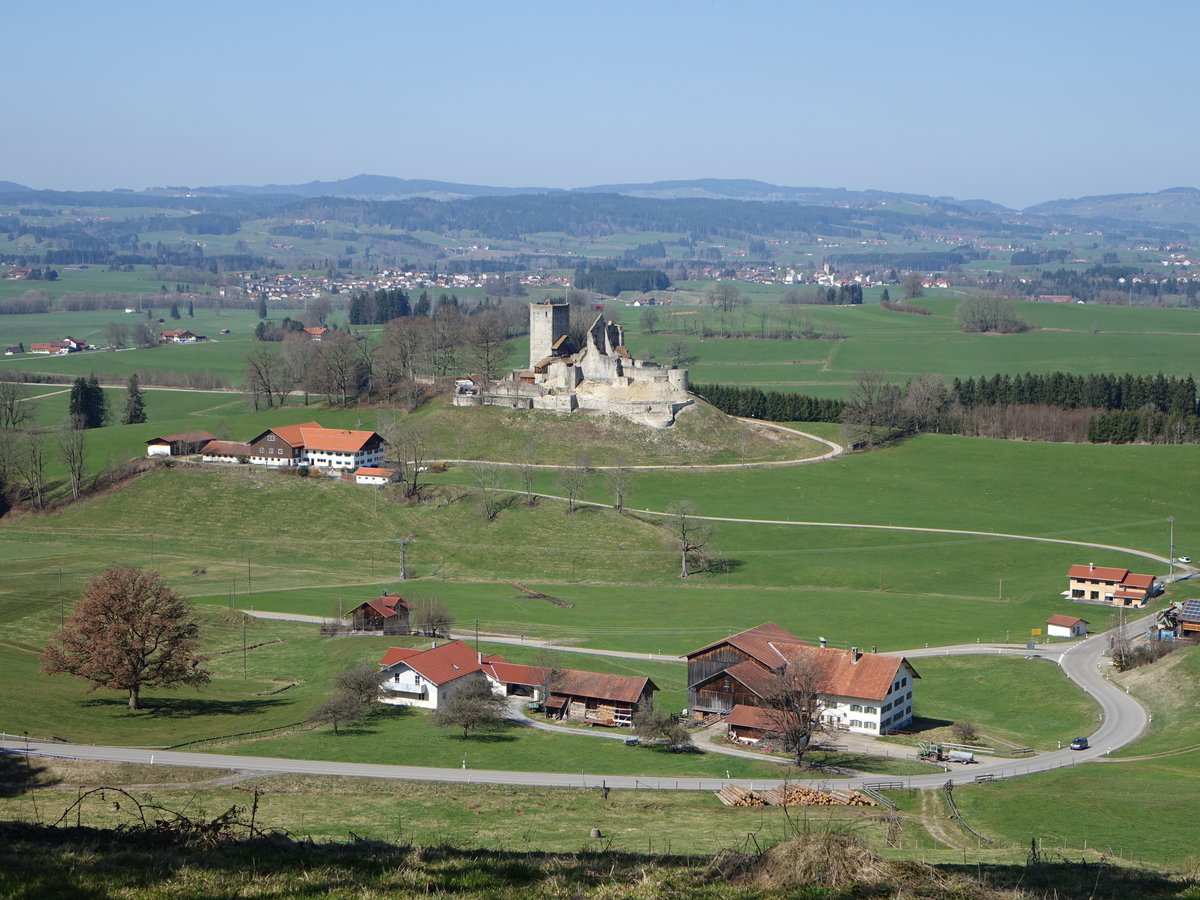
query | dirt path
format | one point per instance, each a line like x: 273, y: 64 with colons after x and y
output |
x: 938, y: 825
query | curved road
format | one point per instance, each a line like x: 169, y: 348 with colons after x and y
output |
x: 1122, y: 721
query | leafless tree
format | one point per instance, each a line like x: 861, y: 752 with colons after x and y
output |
x: 722, y: 295
x: 617, y: 477
x: 572, y: 480
x: 13, y: 411
x: 361, y: 681
x: 651, y: 723
x: 872, y: 411
x: 523, y: 462
x: 472, y: 706
x: 492, y: 498
x: 677, y: 351
x: 649, y: 319
x: 486, y: 339
x: 316, y: 311
x: 27, y: 462
x: 300, y: 356
x: 144, y: 336
x: 433, y: 618
x: 116, y: 334
x: 795, y: 703
x: 449, y: 329
x: 340, y: 709
x: 71, y: 448
x: 408, y: 450
x: 267, y: 378
x: 911, y: 285
x: 336, y: 366
x: 689, y: 533
x: 925, y: 400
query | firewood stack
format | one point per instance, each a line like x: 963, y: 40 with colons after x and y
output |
x: 792, y: 795
x: 735, y: 795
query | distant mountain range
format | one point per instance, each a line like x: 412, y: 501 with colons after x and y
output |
x: 1174, y: 207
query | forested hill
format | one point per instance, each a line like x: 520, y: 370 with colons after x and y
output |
x: 591, y: 214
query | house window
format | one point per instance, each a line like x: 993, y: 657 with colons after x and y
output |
x: 908, y: 696
x: 904, y: 681
x: 854, y: 707
x: 856, y: 723
x: 1095, y: 595
x: 870, y: 709
x: 271, y: 437
x: 887, y: 707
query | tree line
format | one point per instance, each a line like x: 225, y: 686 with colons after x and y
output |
x: 1164, y: 393
x: 610, y: 281
x: 770, y: 406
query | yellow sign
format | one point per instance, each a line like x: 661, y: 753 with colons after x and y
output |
x: 1035, y: 631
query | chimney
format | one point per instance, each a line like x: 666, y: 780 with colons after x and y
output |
x: 874, y: 649
x: 1091, y: 567
x: 479, y: 659
x: 854, y: 654
x: 822, y: 640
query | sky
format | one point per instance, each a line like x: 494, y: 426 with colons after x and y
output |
x: 1018, y: 102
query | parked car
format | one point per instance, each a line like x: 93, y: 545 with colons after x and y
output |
x: 1080, y: 743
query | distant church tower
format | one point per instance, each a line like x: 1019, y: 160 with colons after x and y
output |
x: 547, y: 323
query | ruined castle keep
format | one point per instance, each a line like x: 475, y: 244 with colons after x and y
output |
x: 600, y: 376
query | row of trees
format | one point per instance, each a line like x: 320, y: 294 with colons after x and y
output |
x: 770, y: 406
x: 343, y: 367
x: 1162, y: 393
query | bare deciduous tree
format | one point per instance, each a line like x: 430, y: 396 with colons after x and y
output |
x: 872, y: 410
x: 267, y: 378
x: 486, y: 339
x: 653, y: 724
x: 14, y: 412
x: 523, y: 462
x: 488, y: 483
x: 27, y: 461
x: 337, y: 710
x: 433, y: 618
x: 572, y: 480
x: 795, y: 703
x: 472, y: 706
x: 408, y: 450
x: 617, y: 476
x: 689, y: 533
x: 71, y: 448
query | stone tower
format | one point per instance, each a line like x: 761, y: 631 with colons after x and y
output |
x: 547, y: 323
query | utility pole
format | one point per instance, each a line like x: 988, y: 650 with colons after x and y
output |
x: 244, y: 617
x: 1171, y: 563
x: 62, y: 607
x: 403, y: 542
x: 249, y: 585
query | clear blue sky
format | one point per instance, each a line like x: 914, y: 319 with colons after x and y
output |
x: 1017, y: 102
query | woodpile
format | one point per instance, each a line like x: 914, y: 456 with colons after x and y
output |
x: 735, y: 795
x: 792, y: 795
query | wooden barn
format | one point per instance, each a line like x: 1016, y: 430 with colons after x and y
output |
x: 386, y: 614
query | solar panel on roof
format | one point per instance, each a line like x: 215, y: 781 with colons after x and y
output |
x: 1191, y: 610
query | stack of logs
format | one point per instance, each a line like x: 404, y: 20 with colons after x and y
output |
x: 791, y: 795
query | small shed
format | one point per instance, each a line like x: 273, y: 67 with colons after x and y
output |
x: 749, y: 723
x: 1066, y: 626
x: 372, y: 475
x: 182, y: 444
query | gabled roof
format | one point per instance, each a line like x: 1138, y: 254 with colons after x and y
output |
x: 318, y: 330
x: 373, y: 470
x: 318, y: 438
x: 1097, y: 573
x: 757, y: 643
x: 750, y: 717
x: 226, y: 448
x: 396, y: 654
x: 1138, y: 581
x: 186, y: 437
x: 289, y: 434
x: 441, y: 664
x: 871, y: 677
x: 601, y: 685
x: 1065, y: 621
x: 385, y: 604
x: 514, y: 673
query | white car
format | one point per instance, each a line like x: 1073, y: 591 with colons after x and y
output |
x: 1186, y: 560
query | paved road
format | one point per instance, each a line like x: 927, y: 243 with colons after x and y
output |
x: 1123, y: 720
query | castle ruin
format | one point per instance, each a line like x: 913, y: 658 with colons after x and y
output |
x: 600, y: 376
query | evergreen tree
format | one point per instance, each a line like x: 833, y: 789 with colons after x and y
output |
x: 87, y: 404
x: 262, y: 307
x: 175, y: 311
x: 191, y: 310
x: 135, y: 407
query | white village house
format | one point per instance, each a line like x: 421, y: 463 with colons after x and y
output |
x: 1066, y: 626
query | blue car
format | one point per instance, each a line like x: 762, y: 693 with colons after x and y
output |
x: 1080, y: 743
